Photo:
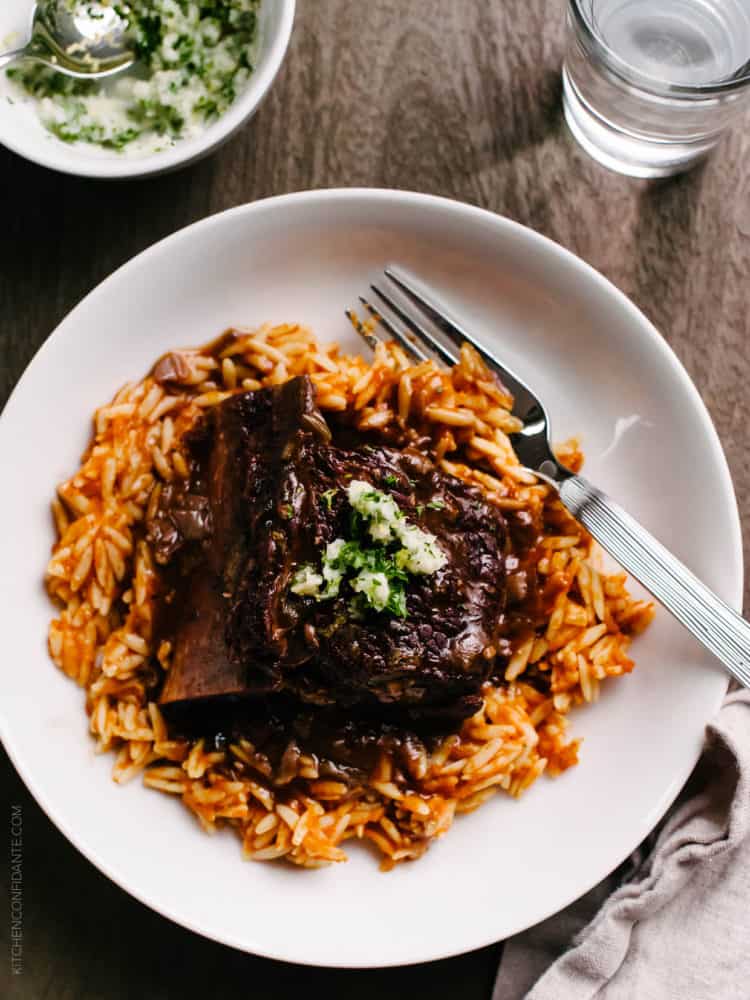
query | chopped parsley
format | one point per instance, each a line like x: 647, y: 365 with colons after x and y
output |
x: 370, y: 573
x: 376, y: 562
x: 391, y: 480
x: 194, y: 57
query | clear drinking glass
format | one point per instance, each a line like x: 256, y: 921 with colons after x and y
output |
x: 650, y: 85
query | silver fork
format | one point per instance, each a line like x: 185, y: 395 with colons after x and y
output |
x: 407, y: 315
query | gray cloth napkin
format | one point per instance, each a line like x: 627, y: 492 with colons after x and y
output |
x: 674, y: 922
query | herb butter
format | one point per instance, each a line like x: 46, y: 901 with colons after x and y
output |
x: 377, y: 572
x: 419, y: 551
x: 374, y: 586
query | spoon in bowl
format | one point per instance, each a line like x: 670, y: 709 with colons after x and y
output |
x: 84, y: 39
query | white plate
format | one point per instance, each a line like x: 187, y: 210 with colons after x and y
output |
x: 600, y: 366
x: 22, y: 130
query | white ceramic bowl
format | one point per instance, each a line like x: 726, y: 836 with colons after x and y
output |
x: 606, y: 375
x: 22, y: 131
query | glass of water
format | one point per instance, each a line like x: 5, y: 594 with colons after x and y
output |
x: 650, y: 85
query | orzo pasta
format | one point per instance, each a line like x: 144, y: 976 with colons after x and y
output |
x: 103, y: 578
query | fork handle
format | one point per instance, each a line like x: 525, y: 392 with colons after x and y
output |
x: 721, y: 630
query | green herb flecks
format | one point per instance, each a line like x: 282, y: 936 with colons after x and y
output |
x: 375, y: 563
x: 370, y: 573
x: 328, y: 497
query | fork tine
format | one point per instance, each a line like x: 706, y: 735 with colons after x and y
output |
x: 367, y: 335
x: 455, y: 332
x: 412, y: 349
x: 416, y: 328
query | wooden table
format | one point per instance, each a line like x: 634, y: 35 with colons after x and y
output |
x: 454, y: 98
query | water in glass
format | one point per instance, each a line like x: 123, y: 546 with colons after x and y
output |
x: 651, y: 84
x: 677, y: 41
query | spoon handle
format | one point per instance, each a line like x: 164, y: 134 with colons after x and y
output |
x: 721, y: 630
x: 8, y: 57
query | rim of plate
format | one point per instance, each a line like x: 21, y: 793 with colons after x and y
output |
x: 186, y: 151
x: 470, y: 213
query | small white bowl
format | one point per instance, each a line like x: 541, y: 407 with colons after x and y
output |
x: 22, y: 131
